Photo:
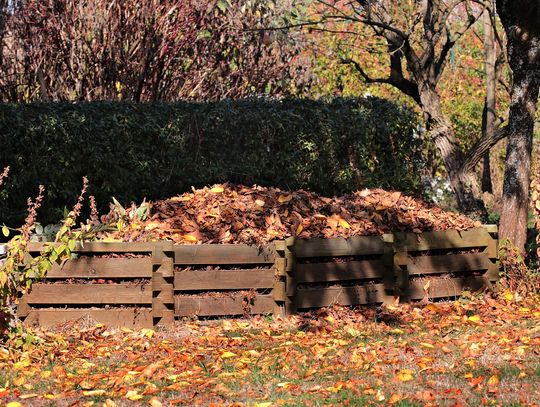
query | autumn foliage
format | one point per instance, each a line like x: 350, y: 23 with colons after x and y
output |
x: 474, y: 351
x: 237, y: 214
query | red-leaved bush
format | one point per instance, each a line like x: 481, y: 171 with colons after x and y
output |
x: 146, y: 51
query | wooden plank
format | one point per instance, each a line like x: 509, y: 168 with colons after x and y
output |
x: 354, y: 246
x: 351, y: 270
x: 89, y: 294
x: 209, y: 254
x: 448, y: 263
x: 279, y: 291
x: 166, y: 296
x: 447, y: 239
x: 281, y: 265
x: 186, y: 306
x: 23, y: 309
x: 446, y: 287
x: 104, y: 247
x: 103, y: 268
x: 491, y: 229
x: 223, y: 279
x: 125, y: 317
x: 325, y: 297
x: 165, y: 267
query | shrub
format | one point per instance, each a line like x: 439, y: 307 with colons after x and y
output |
x: 132, y: 151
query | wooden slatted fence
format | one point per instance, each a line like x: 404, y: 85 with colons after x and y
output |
x: 226, y: 280
x: 149, y: 284
x: 134, y: 290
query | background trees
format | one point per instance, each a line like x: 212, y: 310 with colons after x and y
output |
x: 436, y: 55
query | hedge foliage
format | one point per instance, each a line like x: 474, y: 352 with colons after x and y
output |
x: 132, y: 151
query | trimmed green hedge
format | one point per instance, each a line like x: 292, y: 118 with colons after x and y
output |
x: 132, y: 151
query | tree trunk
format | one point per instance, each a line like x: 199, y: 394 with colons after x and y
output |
x: 524, y: 59
x: 464, y: 184
x: 489, y: 118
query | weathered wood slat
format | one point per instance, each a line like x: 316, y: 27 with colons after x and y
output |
x: 448, y: 239
x: 98, y: 294
x: 351, y: 270
x: 353, y: 246
x: 186, y: 306
x: 325, y: 297
x: 103, y: 268
x: 105, y: 247
x: 223, y: 279
x: 208, y: 254
x: 448, y: 263
x: 125, y: 317
x: 447, y: 287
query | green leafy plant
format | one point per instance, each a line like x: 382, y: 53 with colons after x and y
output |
x: 19, y: 270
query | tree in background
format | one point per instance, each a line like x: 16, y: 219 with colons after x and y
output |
x: 145, y: 51
x: 417, y: 39
x: 521, y: 21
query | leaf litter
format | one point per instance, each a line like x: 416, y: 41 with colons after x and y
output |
x: 472, y: 351
x: 231, y: 213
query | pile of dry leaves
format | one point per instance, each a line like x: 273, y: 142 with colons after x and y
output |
x: 256, y: 215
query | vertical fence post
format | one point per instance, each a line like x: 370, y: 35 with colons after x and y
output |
x: 390, y: 270
x: 492, y: 251
x: 279, y: 291
x: 162, y: 284
x: 402, y: 284
x: 286, y: 260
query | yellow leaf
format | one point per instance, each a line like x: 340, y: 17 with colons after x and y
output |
x: 468, y: 375
x: 227, y: 354
x: 19, y: 381
x: 190, y: 238
x: 427, y: 345
x: 299, y: 229
x: 99, y: 392
x: 148, y: 332
x: 263, y: 404
x: 474, y: 318
x: 405, y: 375
x: 284, y: 198
x: 344, y: 224
x: 14, y: 404
x: 335, y: 388
x: 493, y: 380
x: 508, y: 296
x: 133, y: 395
x: 259, y: 202
x: 218, y: 189
x: 183, y: 198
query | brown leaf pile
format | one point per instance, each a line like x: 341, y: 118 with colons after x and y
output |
x: 257, y: 215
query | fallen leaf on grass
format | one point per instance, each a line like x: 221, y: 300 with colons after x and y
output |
x: 405, y: 375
